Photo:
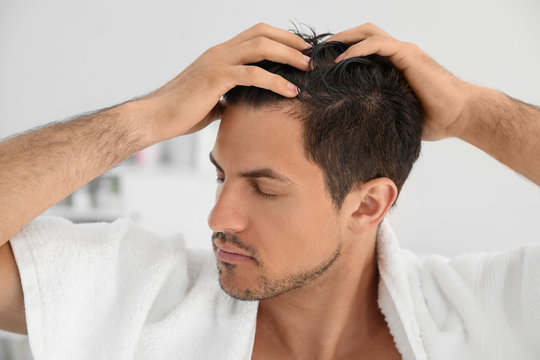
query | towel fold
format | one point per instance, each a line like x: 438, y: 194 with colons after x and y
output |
x: 474, y: 306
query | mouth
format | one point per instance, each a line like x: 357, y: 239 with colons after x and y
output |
x: 231, y: 254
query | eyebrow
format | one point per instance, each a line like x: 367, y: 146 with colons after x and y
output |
x: 256, y: 173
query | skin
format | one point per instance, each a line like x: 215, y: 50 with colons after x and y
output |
x: 308, y: 320
x: 299, y: 218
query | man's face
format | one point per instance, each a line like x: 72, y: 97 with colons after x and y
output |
x: 275, y: 226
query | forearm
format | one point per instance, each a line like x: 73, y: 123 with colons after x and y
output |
x: 41, y: 167
x: 507, y: 129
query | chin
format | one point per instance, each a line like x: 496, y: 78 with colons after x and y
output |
x: 233, y: 286
x: 240, y: 293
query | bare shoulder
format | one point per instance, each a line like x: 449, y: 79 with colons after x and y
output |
x: 12, y: 315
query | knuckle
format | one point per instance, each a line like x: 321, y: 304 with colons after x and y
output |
x: 253, y: 72
x: 370, y: 26
x: 214, y: 51
x: 260, y: 43
x: 260, y: 27
x: 410, y: 47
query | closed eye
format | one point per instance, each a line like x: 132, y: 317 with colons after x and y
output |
x: 263, y: 194
x: 254, y: 186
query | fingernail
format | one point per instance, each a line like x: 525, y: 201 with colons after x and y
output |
x: 308, y: 45
x: 293, y: 89
x: 307, y: 58
x: 339, y: 58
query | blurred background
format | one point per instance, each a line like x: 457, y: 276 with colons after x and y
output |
x: 60, y: 58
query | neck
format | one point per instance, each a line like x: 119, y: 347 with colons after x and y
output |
x: 331, y: 317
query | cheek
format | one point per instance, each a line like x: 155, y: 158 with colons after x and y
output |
x: 297, y: 235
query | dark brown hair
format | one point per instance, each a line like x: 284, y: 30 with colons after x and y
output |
x: 360, y: 118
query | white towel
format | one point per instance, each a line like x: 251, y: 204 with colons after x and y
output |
x: 115, y: 291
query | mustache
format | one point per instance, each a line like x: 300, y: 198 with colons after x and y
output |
x: 234, y: 240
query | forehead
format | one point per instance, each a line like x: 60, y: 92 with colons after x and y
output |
x: 266, y: 137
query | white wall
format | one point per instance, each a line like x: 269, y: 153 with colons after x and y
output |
x: 62, y: 57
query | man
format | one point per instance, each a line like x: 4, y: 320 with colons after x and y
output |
x: 331, y: 280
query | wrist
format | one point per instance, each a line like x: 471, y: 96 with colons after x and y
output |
x: 481, y: 102
x: 139, y: 117
x: 461, y: 126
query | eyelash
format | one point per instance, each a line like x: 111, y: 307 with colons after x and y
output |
x: 255, y: 187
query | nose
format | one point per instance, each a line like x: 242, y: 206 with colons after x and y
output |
x: 228, y: 213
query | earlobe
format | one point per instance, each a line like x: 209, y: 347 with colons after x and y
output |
x: 370, y: 203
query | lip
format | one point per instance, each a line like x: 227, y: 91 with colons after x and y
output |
x: 231, y: 254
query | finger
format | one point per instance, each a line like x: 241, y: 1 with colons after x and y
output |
x: 358, y: 33
x: 395, y: 50
x: 282, y: 36
x: 256, y: 76
x: 262, y: 48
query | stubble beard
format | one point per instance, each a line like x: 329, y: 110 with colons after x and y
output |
x: 268, y: 288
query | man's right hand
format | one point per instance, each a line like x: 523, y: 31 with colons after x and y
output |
x: 190, y: 101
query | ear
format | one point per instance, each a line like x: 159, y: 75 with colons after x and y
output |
x: 367, y: 205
